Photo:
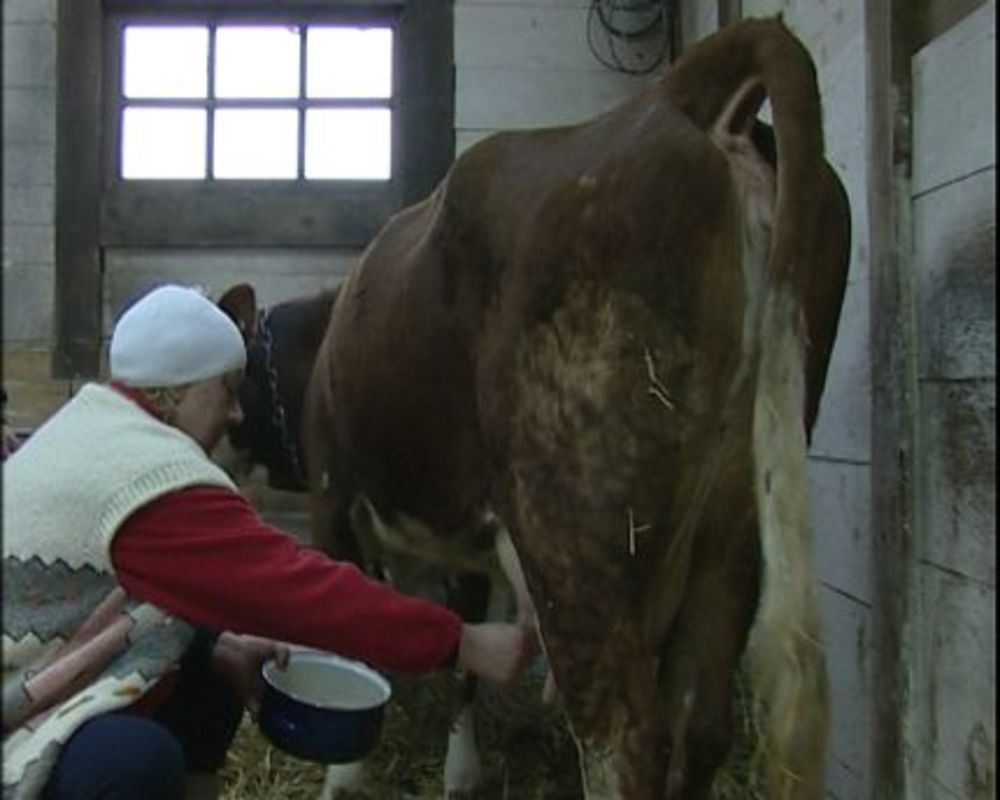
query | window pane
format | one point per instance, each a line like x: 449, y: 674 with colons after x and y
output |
x: 348, y: 143
x: 165, y: 62
x: 163, y: 143
x: 349, y: 62
x: 257, y: 62
x: 256, y: 143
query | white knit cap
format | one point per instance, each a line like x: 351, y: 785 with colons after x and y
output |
x: 173, y: 336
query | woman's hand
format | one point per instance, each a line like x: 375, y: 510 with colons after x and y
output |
x: 240, y: 658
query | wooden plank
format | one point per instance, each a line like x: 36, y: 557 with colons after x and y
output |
x: 730, y: 12
x: 848, y: 623
x: 424, y: 137
x: 844, y: 111
x: 528, y: 37
x: 954, y: 251
x: 698, y: 19
x: 28, y: 308
x: 460, y: 4
x: 934, y: 17
x: 824, y: 28
x: 843, y: 428
x: 27, y: 245
x: 77, y: 251
x: 293, y: 6
x: 275, y: 274
x: 843, y: 781
x: 522, y: 98
x: 160, y: 213
x: 893, y: 393
x: 958, y: 756
x: 840, y: 501
x: 26, y: 204
x: 955, y: 261
x: 29, y: 11
x: 958, y: 481
x: 25, y: 164
x: 29, y: 115
x: 29, y: 50
x: 33, y: 395
x: 954, y: 110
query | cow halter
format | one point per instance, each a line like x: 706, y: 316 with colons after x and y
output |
x: 279, y: 419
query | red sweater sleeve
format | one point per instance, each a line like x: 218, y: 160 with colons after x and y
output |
x: 203, y: 554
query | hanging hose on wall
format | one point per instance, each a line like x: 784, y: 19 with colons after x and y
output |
x: 632, y: 36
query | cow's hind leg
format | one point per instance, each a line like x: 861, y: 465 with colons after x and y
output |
x: 610, y: 704
x: 601, y: 666
x: 701, y: 653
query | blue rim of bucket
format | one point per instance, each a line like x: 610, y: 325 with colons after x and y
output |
x: 357, y: 667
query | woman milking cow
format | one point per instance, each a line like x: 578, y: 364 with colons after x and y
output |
x: 142, y: 592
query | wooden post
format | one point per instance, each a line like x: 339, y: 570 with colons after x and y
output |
x: 894, y: 393
x: 78, y: 285
x: 730, y: 12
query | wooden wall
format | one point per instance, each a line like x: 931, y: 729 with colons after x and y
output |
x: 936, y: 736
x: 525, y: 63
x: 952, y: 715
x: 840, y: 460
x: 519, y: 63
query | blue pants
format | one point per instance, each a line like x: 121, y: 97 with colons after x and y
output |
x: 123, y: 756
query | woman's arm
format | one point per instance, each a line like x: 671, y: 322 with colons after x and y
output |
x: 203, y: 554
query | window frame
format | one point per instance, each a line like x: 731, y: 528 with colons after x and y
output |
x: 252, y: 212
x: 97, y: 209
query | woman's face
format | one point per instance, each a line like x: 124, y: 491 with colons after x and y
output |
x: 208, y: 408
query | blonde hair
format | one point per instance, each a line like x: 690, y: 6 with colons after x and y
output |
x: 164, y: 399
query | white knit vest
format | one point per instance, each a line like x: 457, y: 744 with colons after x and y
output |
x: 74, y: 645
x: 93, y: 463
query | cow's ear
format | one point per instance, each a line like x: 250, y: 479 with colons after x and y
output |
x: 240, y: 303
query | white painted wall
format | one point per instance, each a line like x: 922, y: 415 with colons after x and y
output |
x: 954, y: 229
x: 525, y: 64
x: 29, y: 135
x: 518, y: 64
x: 512, y: 60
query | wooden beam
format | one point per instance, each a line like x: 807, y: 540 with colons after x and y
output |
x: 894, y: 392
x: 78, y: 291
x: 730, y: 12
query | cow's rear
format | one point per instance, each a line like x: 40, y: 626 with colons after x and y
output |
x: 615, y: 336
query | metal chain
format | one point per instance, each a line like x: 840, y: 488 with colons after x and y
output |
x: 279, y: 420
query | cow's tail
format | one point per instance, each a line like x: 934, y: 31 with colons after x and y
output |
x: 721, y: 85
x: 788, y: 671
x: 723, y: 82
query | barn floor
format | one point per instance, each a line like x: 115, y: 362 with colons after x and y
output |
x: 525, y: 748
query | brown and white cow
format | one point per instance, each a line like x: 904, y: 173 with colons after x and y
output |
x: 613, y: 337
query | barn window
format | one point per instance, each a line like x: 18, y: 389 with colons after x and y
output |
x: 230, y: 102
x: 238, y: 123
